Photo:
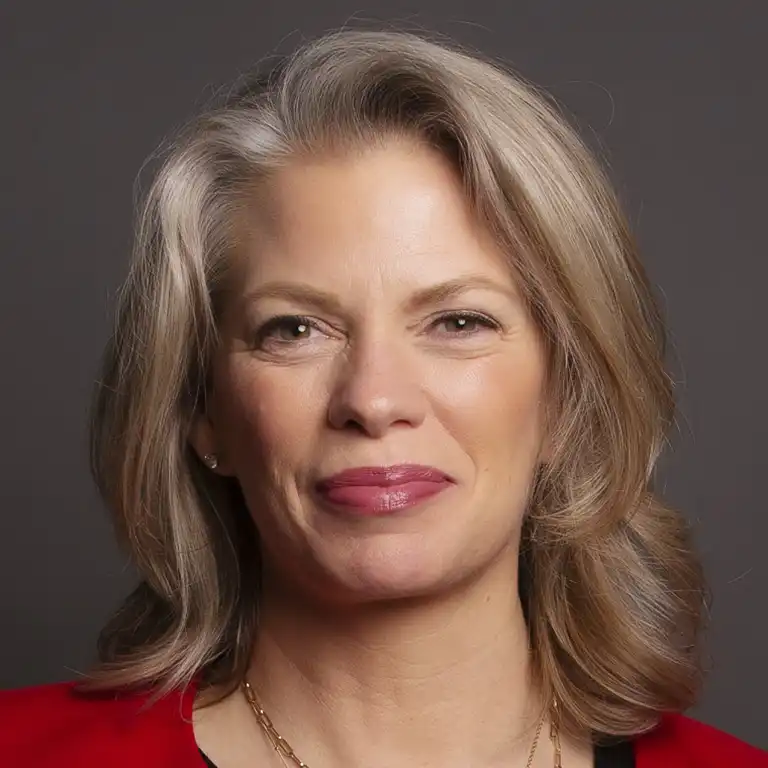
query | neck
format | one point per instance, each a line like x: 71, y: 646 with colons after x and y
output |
x: 441, y: 681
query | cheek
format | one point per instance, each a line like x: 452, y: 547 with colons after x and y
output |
x: 494, y: 409
x: 267, y: 412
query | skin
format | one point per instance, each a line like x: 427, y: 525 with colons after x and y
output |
x: 414, y: 617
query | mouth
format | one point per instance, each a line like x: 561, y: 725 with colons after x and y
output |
x: 371, y: 491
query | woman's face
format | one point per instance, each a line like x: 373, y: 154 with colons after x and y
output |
x: 376, y: 331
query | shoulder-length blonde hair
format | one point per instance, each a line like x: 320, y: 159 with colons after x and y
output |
x: 612, y: 592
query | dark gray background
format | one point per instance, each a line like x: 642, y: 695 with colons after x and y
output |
x: 673, y: 91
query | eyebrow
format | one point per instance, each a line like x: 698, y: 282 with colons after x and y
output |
x: 433, y: 294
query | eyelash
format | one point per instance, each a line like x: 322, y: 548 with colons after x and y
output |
x: 488, y: 323
x: 282, y: 321
x: 286, y: 321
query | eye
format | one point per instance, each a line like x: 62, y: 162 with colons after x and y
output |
x: 285, y: 330
x: 459, y: 324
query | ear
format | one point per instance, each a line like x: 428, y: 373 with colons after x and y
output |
x: 204, y: 441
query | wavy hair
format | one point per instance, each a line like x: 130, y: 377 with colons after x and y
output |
x: 612, y: 590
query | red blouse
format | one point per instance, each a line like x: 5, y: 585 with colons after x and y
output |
x: 51, y: 726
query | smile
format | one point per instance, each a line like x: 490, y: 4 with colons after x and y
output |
x: 370, y: 491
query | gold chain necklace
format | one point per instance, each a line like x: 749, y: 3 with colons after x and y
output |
x: 285, y: 751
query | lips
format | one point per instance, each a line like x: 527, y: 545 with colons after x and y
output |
x: 382, y: 490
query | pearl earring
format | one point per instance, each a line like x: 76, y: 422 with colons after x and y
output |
x: 211, y: 461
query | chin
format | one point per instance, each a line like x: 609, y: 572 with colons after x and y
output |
x: 397, y: 572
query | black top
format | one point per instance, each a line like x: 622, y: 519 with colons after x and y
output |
x: 619, y: 755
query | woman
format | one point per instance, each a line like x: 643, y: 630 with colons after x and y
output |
x: 377, y: 425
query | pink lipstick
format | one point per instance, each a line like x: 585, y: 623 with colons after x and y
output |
x: 382, y: 490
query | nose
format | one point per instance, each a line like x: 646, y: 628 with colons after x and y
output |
x: 378, y: 388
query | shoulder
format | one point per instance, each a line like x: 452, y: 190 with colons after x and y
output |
x: 681, y: 741
x: 57, y: 725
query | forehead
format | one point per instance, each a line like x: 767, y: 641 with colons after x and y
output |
x: 391, y: 214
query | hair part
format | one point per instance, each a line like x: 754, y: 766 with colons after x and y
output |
x: 613, y: 593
